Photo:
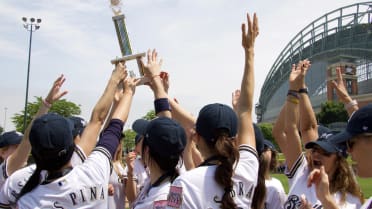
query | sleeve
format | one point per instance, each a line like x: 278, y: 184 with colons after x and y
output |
x: 247, y: 165
x: 298, y: 166
x: 4, y: 198
x: 111, y: 136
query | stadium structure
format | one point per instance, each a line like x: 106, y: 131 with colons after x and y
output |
x: 340, y: 38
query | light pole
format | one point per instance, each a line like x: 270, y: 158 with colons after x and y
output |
x: 31, y: 25
x: 5, y: 109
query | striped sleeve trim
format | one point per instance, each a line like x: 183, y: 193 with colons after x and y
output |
x: 80, y: 153
x: 5, y: 206
x: 5, y: 175
x: 295, y: 167
x: 248, y: 149
x: 104, y: 151
x: 107, y: 153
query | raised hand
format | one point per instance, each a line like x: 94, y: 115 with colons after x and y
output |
x: 130, y: 85
x: 119, y: 73
x: 55, y: 93
x: 248, y: 38
x: 130, y: 158
x: 153, y: 65
x: 297, y: 76
x: 341, y: 90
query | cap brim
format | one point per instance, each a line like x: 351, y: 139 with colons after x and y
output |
x: 322, y: 144
x: 341, y: 137
x: 140, y: 126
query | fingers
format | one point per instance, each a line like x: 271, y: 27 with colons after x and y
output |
x: 244, y: 32
x: 255, y: 24
x: 249, y: 24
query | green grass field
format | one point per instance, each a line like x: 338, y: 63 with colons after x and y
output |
x: 365, y: 184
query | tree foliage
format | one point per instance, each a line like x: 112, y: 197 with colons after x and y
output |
x: 62, y: 107
x: 130, y: 135
x: 128, y: 143
x: 1, y: 129
x: 267, y: 131
x: 150, y: 115
x: 332, y: 112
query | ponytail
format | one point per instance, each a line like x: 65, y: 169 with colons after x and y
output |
x: 227, y: 155
x: 258, y: 200
x: 32, y: 182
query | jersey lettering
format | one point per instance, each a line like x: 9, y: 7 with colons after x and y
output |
x: 240, y: 187
x: 57, y: 205
x: 241, y: 190
x: 79, y: 196
x: 293, y: 202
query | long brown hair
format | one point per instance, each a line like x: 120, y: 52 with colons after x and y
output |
x: 227, y: 154
x: 343, y: 180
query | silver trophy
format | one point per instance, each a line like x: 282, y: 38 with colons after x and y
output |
x: 122, y: 34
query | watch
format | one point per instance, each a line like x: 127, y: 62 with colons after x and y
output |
x: 303, y: 90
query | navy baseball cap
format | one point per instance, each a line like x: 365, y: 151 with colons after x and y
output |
x: 79, y: 125
x: 325, y: 142
x: 10, y: 138
x: 269, y: 144
x: 140, y: 126
x: 259, y: 139
x: 165, y: 137
x: 360, y: 122
x: 322, y: 130
x: 51, y: 140
x: 216, y: 116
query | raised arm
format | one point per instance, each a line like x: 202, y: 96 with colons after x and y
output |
x: 308, y: 123
x: 191, y: 155
x: 119, y: 117
x: 245, y: 106
x: 89, y: 137
x: 19, y: 157
x: 342, y: 94
x: 293, y: 141
x: 152, y: 71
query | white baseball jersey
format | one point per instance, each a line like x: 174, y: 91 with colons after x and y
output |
x: 3, y: 172
x: 197, y: 188
x: 367, y: 204
x: 297, y: 179
x: 14, y: 184
x: 152, y: 197
x: 117, y: 201
x: 85, y: 186
x: 275, y: 194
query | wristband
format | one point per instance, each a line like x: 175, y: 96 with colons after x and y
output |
x: 161, y: 104
x: 293, y: 93
x: 293, y: 100
x: 350, y: 104
x: 46, y: 104
x: 303, y: 91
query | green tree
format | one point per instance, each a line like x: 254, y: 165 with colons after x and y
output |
x: 150, y: 115
x: 128, y: 143
x: 1, y: 129
x: 267, y: 131
x: 332, y: 112
x: 62, y: 107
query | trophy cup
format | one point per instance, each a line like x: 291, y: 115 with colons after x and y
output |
x: 122, y: 34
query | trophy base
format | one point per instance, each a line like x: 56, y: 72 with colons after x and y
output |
x: 131, y: 57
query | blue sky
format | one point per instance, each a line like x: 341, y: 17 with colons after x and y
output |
x: 199, y: 41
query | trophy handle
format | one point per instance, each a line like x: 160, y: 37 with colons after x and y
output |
x: 131, y: 57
